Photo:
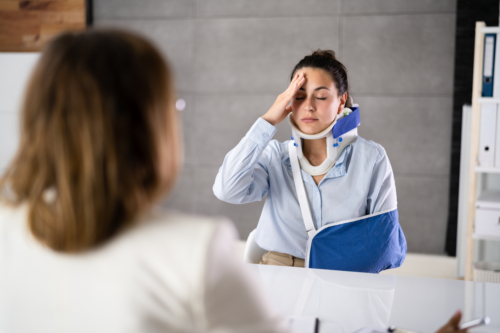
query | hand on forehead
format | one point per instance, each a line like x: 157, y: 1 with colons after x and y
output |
x: 317, y: 79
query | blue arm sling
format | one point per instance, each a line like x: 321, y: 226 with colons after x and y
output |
x: 368, y: 244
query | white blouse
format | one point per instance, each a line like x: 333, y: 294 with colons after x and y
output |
x: 171, y: 273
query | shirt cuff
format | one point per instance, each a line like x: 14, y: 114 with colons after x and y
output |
x: 261, y: 132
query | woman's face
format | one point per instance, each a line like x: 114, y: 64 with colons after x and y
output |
x: 317, y: 103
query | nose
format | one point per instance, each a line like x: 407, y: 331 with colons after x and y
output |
x: 309, y: 105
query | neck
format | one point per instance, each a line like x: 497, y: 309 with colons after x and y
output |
x: 315, y: 150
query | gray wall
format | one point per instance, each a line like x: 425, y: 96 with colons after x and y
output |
x: 232, y: 57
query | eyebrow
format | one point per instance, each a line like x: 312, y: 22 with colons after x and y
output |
x: 319, y: 88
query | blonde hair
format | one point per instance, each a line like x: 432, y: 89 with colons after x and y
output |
x: 100, y: 131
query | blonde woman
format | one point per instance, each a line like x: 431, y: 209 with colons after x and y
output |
x: 81, y: 249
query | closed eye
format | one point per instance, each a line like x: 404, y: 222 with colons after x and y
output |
x: 299, y: 98
x: 321, y: 98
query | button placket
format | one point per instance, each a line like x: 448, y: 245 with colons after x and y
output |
x: 317, y: 207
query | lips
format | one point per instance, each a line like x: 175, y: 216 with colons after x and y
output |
x: 308, y: 120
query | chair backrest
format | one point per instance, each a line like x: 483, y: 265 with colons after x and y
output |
x: 253, y: 252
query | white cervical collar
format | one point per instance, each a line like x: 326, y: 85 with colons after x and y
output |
x: 333, y: 146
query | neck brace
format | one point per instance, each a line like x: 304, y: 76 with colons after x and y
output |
x: 342, y: 132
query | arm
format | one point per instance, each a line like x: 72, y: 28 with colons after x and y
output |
x: 233, y: 301
x: 382, y: 192
x: 243, y: 176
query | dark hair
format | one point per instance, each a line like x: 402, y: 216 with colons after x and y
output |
x: 326, y: 60
x: 99, y: 140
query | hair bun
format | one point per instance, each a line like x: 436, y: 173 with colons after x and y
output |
x: 324, y: 53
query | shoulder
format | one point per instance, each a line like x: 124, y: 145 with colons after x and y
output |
x: 12, y: 217
x: 174, y: 245
x: 7, y: 209
x: 179, y: 230
x: 369, y: 149
x: 277, y: 146
x: 277, y: 151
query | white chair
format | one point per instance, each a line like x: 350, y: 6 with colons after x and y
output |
x: 253, y: 252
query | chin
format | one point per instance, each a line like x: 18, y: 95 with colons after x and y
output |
x: 311, y: 129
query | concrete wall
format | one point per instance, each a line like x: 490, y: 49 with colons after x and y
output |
x: 232, y: 57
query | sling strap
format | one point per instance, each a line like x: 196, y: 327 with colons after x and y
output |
x: 301, y: 192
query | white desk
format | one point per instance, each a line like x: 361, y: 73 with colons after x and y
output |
x: 347, y: 301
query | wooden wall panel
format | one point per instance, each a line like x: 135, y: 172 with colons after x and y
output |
x: 26, y: 25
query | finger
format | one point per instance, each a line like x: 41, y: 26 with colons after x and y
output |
x: 288, y: 109
x: 298, y: 84
x: 294, y: 86
x: 297, y: 76
x: 295, y: 79
x: 455, y: 319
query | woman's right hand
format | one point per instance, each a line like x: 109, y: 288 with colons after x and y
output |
x: 280, y: 109
x: 452, y: 325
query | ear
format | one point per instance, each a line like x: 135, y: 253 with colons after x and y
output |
x: 343, y: 100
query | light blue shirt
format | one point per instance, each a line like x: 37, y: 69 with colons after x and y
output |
x: 360, y: 183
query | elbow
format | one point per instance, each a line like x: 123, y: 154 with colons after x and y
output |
x: 219, y: 192
x: 233, y: 190
x: 225, y: 194
x: 231, y: 194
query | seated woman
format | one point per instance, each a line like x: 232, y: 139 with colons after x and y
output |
x: 82, y: 249
x: 331, y: 197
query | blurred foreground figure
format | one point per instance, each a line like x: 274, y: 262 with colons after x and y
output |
x: 81, y: 247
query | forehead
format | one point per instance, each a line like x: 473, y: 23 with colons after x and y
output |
x: 316, y: 77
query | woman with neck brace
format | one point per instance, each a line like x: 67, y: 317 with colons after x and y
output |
x: 331, y: 198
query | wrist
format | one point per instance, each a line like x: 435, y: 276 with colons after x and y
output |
x: 269, y: 120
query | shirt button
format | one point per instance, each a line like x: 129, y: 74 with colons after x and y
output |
x: 265, y: 135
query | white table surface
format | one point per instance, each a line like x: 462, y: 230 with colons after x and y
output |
x: 347, y: 301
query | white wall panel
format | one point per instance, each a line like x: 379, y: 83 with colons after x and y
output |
x: 15, y: 69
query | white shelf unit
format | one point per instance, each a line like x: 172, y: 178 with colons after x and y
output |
x: 489, y: 200
x: 488, y: 30
x: 488, y: 100
x: 486, y: 237
x: 487, y: 169
x: 476, y: 193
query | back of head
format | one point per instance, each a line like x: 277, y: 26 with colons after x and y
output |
x: 99, y: 139
x: 327, y: 61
